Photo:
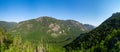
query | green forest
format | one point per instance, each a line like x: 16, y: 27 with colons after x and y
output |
x: 104, y: 38
x: 15, y: 44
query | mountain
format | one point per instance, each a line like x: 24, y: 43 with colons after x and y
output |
x: 7, y: 25
x: 104, y: 38
x: 89, y: 27
x: 49, y: 30
x: 43, y: 34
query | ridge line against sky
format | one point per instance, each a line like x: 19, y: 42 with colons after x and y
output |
x: 91, y: 12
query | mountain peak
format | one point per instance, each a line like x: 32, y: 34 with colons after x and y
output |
x: 44, y: 18
x: 116, y: 14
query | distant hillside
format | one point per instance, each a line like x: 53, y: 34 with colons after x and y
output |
x: 89, y: 27
x: 104, y: 38
x: 49, y: 30
x: 7, y: 25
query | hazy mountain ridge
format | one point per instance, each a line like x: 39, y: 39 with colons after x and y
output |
x: 89, y: 27
x: 7, y: 25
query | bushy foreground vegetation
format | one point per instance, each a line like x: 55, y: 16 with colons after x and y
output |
x: 15, y: 44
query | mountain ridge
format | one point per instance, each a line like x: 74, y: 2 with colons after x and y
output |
x: 49, y: 29
x: 7, y: 25
x: 97, y: 35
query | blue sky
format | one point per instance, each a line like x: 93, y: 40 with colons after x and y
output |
x: 85, y: 11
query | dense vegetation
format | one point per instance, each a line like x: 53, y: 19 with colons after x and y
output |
x: 35, y: 35
x: 15, y: 44
x: 50, y: 30
x: 103, y: 39
x: 7, y: 25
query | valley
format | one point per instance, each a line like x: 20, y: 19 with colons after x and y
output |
x: 46, y: 34
x: 48, y: 31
